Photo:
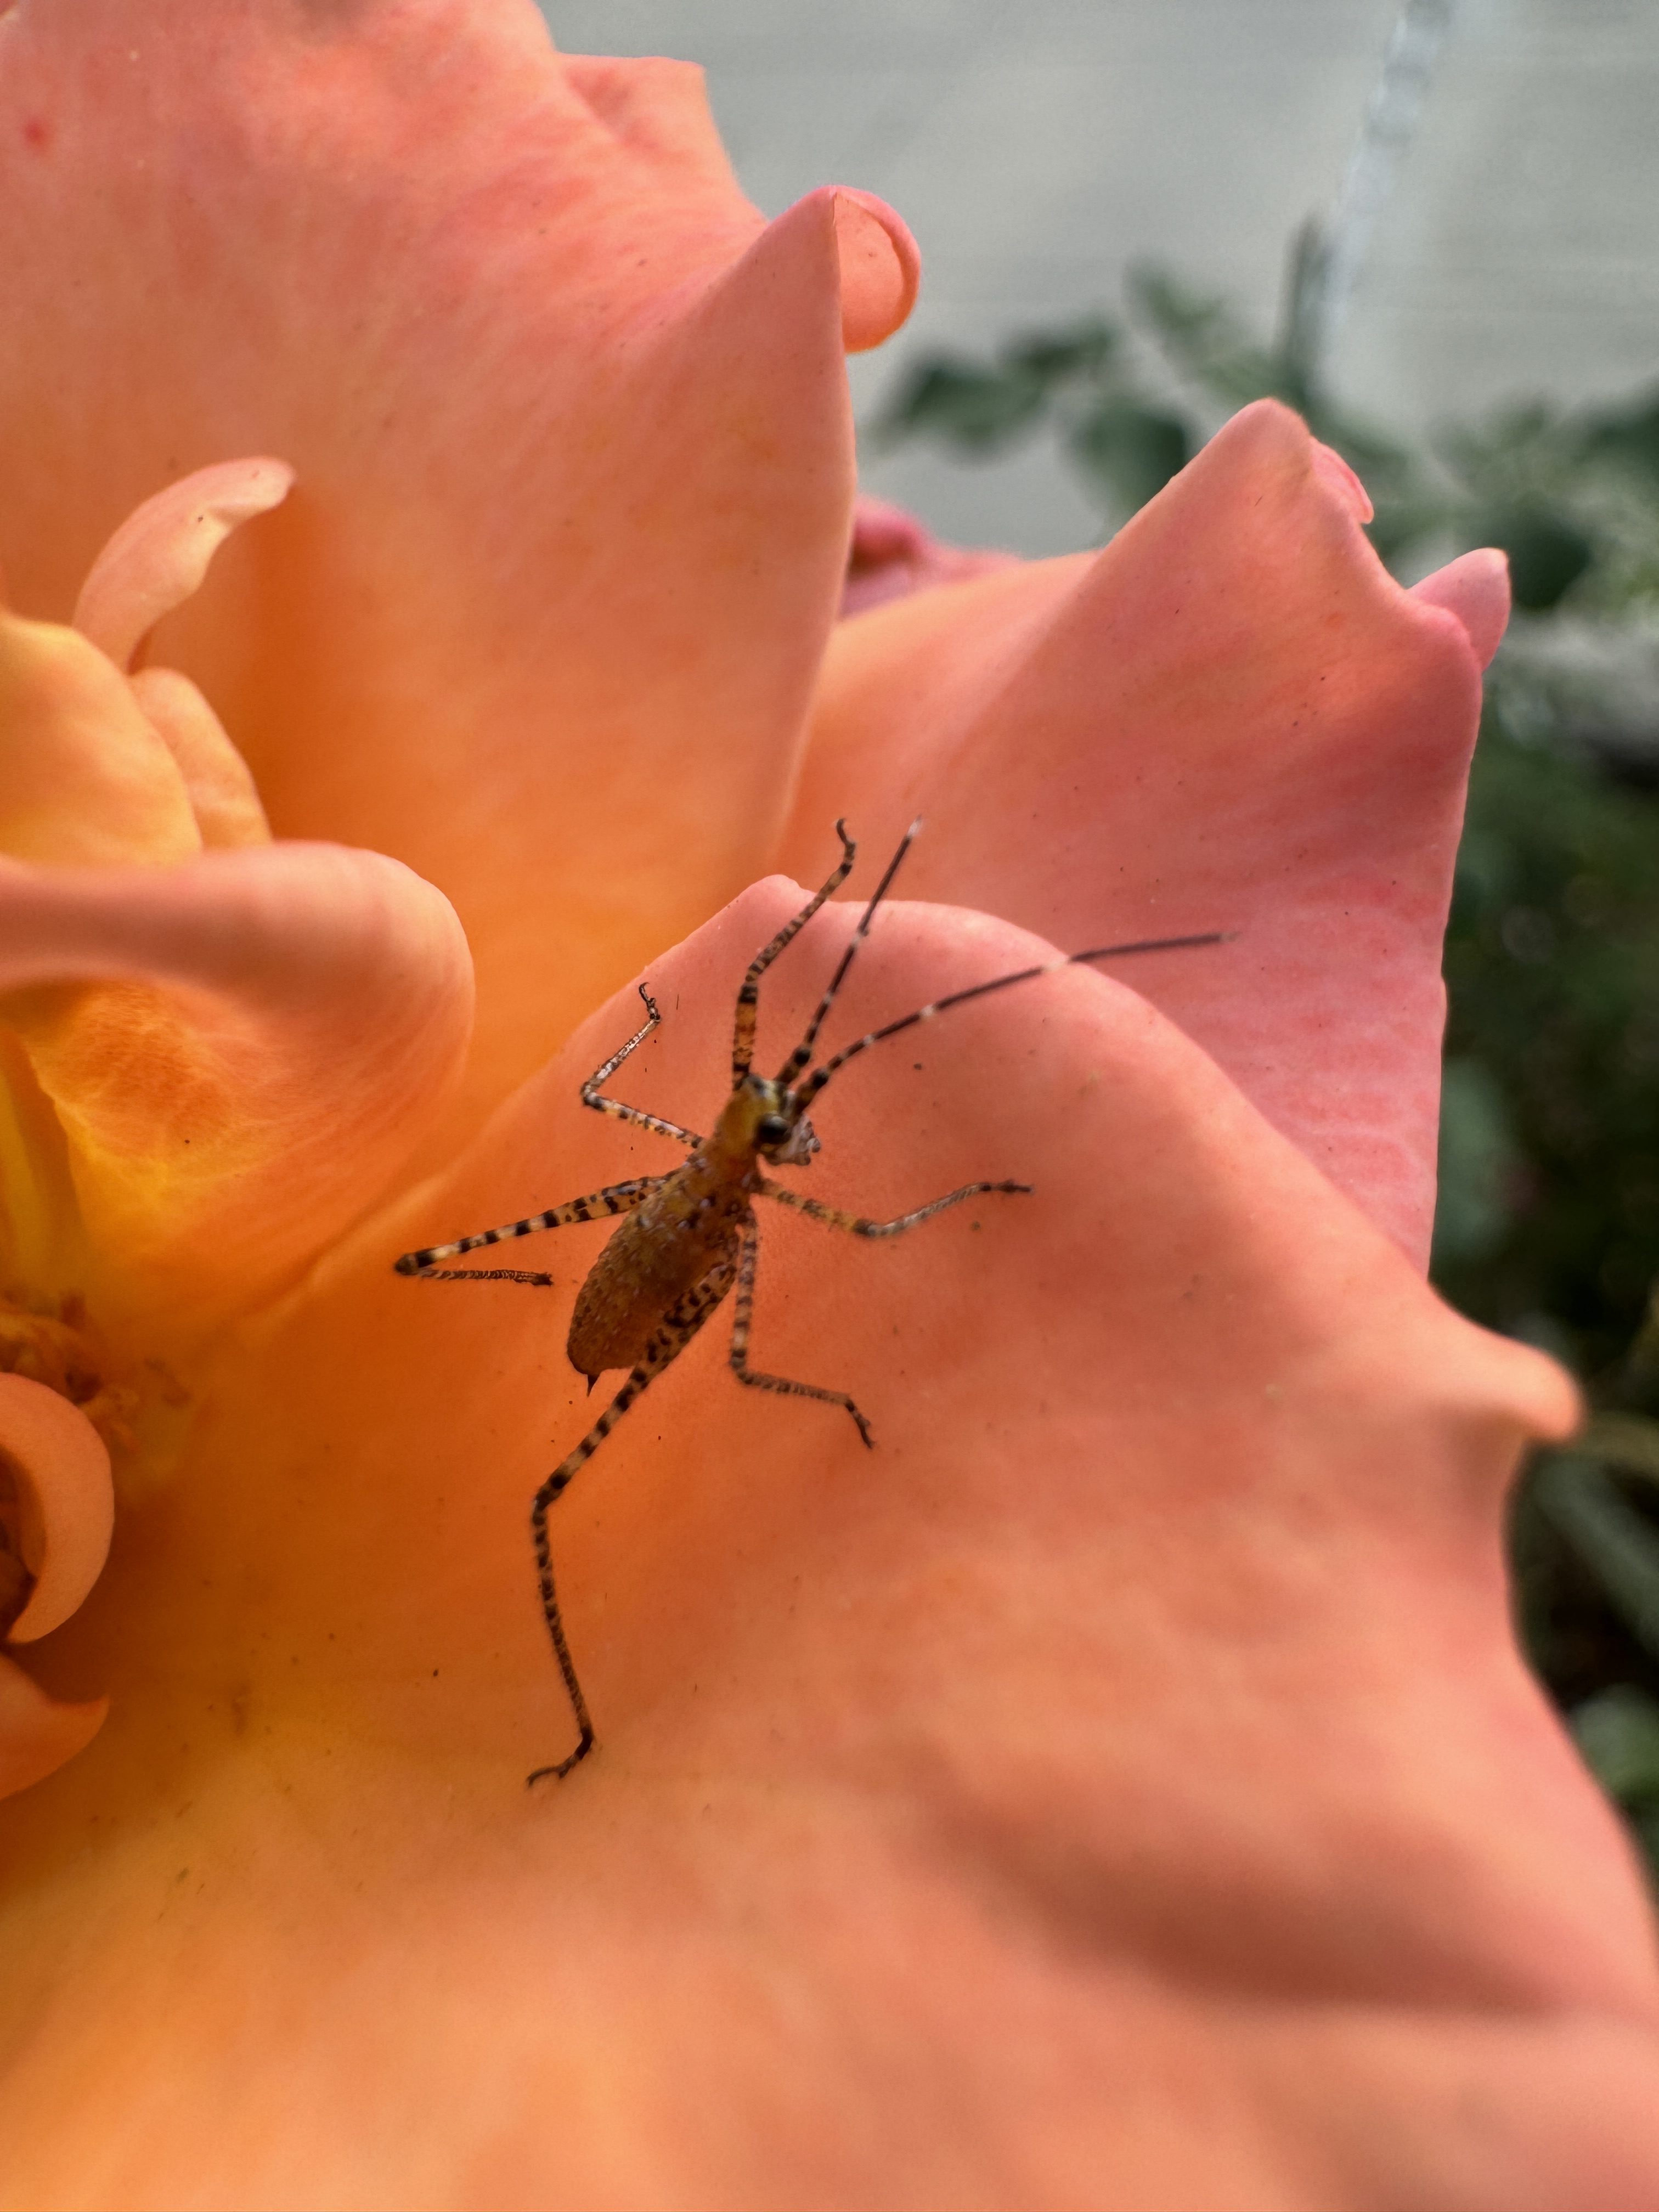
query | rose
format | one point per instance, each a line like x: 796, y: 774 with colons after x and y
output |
x: 1121, y: 1786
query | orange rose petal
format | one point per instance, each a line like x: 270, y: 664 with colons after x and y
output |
x: 156, y: 560
x: 1258, y: 730
x: 283, y: 1020
x: 1121, y: 1782
x: 60, y: 1465
x: 573, y: 493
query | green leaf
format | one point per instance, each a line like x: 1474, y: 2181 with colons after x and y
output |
x: 1132, y: 450
x: 1629, y: 435
x: 1479, y: 1159
x: 1548, y: 553
x: 1629, y: 1442
x: 1203, y: 338
x: 1617, y: 1543
x: 978, y: 410
x: 1618, y: 1732
x: 1088, y: 347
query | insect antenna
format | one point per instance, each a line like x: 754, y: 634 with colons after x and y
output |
x: 743, y: 1028
x: 815, y: 1082
x: 803, y: 1052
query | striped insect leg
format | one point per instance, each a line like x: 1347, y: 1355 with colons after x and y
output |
x: 747, y: 1262
x: 856, y: 1225
x: 616, y: 1198
x: 679, y: 1326
x: 618, y: 1107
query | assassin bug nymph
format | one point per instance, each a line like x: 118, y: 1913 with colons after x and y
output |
x: 689, y: 1237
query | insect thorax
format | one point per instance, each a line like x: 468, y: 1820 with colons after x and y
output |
x: 762, y: 1118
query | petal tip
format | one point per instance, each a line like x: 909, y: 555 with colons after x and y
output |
x: 1332, y: 472
x: 157, y: 558
x: 1475, y: 587
x: 880, y: 268
x: 59, y: 1466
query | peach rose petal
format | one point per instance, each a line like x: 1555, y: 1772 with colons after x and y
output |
x: 60, y: 1465
x: 38, y: 1733
x: 1258, y: 729
x: 284, y: 1018
x: 574, y: 493
x: 156, y: 560
x: 1119, y: 1788
x: 223, y: 796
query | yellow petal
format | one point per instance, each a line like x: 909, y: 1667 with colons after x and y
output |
x: 237, y: 1054
x: 84, y: 780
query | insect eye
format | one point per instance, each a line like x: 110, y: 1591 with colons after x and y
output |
x: 771, y: 1129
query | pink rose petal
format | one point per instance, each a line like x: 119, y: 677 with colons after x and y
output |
x: 156, y: 560
x: 1475, y: 587
x: 893, y: 554
x: 1335, y: 473
x: 1259, y: 730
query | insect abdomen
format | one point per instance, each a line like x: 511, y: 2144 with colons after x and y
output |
x: 656, y: 1257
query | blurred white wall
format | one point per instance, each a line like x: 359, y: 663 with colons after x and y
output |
x: 1520, y: 250
x: 1037, y: 146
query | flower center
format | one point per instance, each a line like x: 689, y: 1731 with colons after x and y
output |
x: 52, y: 1341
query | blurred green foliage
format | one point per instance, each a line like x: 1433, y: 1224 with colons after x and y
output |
x: 1548, y: 1221
x: 1571, y: 496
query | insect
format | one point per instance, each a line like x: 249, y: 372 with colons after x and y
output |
x: 689, y: 1238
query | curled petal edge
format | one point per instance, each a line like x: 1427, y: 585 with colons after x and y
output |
x: 156, y: 560
x: 1340, y: 480
x: 880, y: 268
x: 309, y: 1007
